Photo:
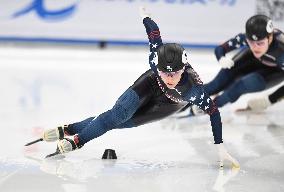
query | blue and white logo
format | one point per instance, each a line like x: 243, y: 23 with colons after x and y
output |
x: 43, y: 13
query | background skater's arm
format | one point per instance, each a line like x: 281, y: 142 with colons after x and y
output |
x: 230, y: 45
x: 235, y: 43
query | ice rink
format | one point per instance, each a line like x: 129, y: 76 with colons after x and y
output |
x: 43, y: 87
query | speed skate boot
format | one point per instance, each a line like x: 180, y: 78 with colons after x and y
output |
x: 50, y: 135
x: 66, y: 145
x: 58, y: 133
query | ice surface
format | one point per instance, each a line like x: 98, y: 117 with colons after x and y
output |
x: 45, y: 87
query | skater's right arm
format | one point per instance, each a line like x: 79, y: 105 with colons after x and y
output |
x: 230, y: 45
x: 152, y: 30
x: 235, y: 43
x: 155, y: 40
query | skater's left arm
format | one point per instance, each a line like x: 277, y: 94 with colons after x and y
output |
x: 197, y: 96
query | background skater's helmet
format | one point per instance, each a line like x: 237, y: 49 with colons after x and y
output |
x: 171, y: 57
x: 258, y: 27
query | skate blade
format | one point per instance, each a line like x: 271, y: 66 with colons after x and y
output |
x: 55, y: 155
x: 243, y: 110
x: 35, y: 141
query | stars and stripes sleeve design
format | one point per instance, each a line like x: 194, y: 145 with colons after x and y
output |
x: 197, y: 96
x: 155, y: 41
x: 232, y: 44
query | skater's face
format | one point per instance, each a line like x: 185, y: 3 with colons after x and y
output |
x: 259, y: 48
x: 171, y: 79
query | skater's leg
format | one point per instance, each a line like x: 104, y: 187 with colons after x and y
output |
x: 227, y: 77
x: 252, y: 82
x: 75, y: 128
x: 147, y: 113
x: 151, y: 112
x: 124, y: 115
x: 220, y: 82
x: 127, y: 104
x: 277, y: 95
x: 133, y: 98
x: 123, y: 110
x: 60, y: 132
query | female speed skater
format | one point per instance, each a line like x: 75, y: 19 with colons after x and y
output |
x: 167, y: 87
x: 257, y: 66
